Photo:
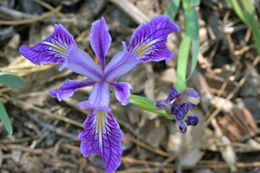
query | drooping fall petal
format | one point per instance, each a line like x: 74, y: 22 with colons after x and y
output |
x: 102, y: 136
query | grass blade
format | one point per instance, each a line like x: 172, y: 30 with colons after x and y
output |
x: 182, y: 63
x: 193, y: 29
x: 172, y: 9
x: 191, y: 37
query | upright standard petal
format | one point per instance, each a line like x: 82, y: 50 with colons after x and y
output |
x: 99, y: 98
x: 120, y: 64
x: 68, y: 88
x: 102, y: 136
x: 51, y: 50
x: 173, y: 94
x: 100, y: 40
x: 149, y: 40
x: 80, y: 62
x: 122, y: 90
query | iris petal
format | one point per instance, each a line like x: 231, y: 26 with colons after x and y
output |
x: 80, y: 62
x: 120, y: 64
x: 99, y: 97
x: 149, y: 40
x: 51, y: 50
x: 122, y: 90
x: 102, y: 136
x: 100, y: 40
x: 68, y: 88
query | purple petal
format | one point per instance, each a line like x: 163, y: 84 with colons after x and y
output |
x: 173, y: 94
x: 191, y: 96
x: 191, y: 93
x: 99, y: 97
x: 68, y: 88
x: 122, y: 90
x: 100, y: 40
x: 182, y: 127
x: 160, y: 104
x: 192, y: 120
x: 120, y: 64
x: 149, y: 40
x: 102, y: 136
x: 51, y: 50
x: 179, y: 110
x: 80, y: 62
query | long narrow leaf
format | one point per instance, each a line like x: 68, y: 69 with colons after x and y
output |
x: 192, y: 19
x: 172, y: 9
x: 195, y: 2
x: 148, y: 105
x: 191, y: 40
x: 253, y: 22
x: 4, y: 118
x: 235, y: 5
x: 182, y: 63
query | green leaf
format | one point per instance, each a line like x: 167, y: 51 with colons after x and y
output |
x: 172, y: 9
x: 193, y: 27
x: 4, y: 118
x: 252, y: 22
x: 195, y: 2
x: 235, y: 5
x: 191, y: 40
x: 148, y: 105
x: 12, y: 80
x: 182, y: 63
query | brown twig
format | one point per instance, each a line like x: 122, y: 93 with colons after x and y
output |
x: 48, y: 6
x: 46, y: 112
x: 166, y: 162
x: 21, y: 140
x: 146, y: 146
x: 26, y: 149
x: 31, y: 20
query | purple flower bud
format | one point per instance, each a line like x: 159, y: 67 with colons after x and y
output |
x: 182, y: 127
x: 173, y: 94
x: 160, y: 104
x: 192, y: 120
x: 191, y: 95
x: 180, y: 110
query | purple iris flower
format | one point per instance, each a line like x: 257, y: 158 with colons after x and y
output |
x: 101, y: 134
x: 179, y: 105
